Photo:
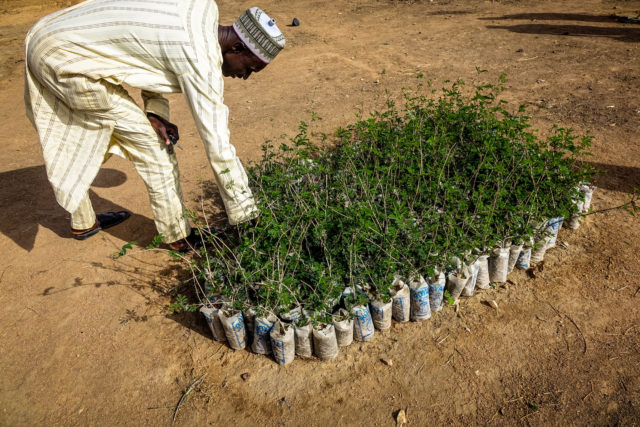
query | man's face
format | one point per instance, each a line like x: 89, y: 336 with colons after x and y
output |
x: 241, y: 62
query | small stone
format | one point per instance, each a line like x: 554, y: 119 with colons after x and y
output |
x: 245, y: 376
x: 401, y: 418
x: 387, y: 362
x: 295, y: 22
x: 501, y: 411
x: 492, y: 303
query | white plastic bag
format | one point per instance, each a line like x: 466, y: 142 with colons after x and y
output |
x: 344, y: 327
x: 587, y: 190
x: 381, y: 313
x: 211, y: 316
x: 436, y: 291
x: 524, y: 260
x: 346, y: 293
x: 401, y: 300
x: 457, y: 280
x: 553, y: 227
x: 324, y: 342
x: 420, y: 307
x: 261, y: 330
x: 292, y: 315
x: 304, y: 340
x: 283, y: 342
x: 362, y: 324
x: 514, y: 254
x: 471, y: 283
x: 539, y: 250
x: 483, y: 281
x: 574, y: 221
x: 498, y: 265
x: 233, y: 325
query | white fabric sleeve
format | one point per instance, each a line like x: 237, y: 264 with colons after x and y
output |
x: 155, y: 103
x: 211, y: 118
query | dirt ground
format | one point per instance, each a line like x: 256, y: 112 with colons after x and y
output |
x: 89, y: 340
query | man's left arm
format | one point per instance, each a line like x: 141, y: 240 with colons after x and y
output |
x: 211, y: 117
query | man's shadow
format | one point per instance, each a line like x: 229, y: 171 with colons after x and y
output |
x: 27, y: 202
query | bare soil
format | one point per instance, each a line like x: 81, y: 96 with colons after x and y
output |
x: 89, y: 340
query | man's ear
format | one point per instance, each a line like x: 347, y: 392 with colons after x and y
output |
x: 238, y: 47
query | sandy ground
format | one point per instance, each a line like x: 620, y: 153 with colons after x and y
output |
x: 89, y: 340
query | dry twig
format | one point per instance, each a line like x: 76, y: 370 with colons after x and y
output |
x: 185, y: 394
x: 581, y: 334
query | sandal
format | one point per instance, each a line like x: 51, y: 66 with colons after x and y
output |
x: 103, y: 221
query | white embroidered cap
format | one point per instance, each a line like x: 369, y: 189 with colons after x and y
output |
x: 260, y: 33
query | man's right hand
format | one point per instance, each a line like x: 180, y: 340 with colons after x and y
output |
x: 163, y: 128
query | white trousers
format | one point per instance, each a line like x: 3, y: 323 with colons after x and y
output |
x: 134, y: 138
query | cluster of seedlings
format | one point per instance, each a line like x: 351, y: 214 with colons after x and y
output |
x: 386, y: 219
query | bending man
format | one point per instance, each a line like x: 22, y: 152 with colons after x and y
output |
x: 78, y: 58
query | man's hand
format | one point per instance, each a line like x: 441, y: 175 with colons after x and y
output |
x: 163, y: 128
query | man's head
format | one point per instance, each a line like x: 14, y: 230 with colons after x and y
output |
x: 258, y: 40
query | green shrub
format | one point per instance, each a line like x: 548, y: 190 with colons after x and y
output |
x: 401, y: 192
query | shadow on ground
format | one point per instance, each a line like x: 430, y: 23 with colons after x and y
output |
x: 556, y: 17
x: 620, y: 32
x: 28, y: 203
x: 617, y: 178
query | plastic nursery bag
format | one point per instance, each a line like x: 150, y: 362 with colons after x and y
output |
x: 457, y: 280
x: 362, y: 323
x: 420, y: 307
x: 261, y: 330
x: 381, y: 314
x: 324, y: 342
x: 436, y: 291
x: 344, y: 327
x: 401, y: 300
x: 524, y: 259
x: 471, y: 283
x: 514, y: 254
x: 540, y: 249
x: 304, y: 340
x: 483, y: 281
x: 291, y: 316
x: 211, y: 316
x: 346, y: 293
x: 587, y: 190
x: 283, y: 342
x: 553, y: 226
x: 233, y: 325
x: 574, y: 221
x: 498, y: 265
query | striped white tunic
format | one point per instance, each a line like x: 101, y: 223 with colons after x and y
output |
x: 76, y: 57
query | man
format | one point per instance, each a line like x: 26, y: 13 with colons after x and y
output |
x: 78, y: 58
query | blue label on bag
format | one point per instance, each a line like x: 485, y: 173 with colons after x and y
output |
x: 524, y: 258
x: 420, y: 308
x: 363, y: 323
x: 436, y: 293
